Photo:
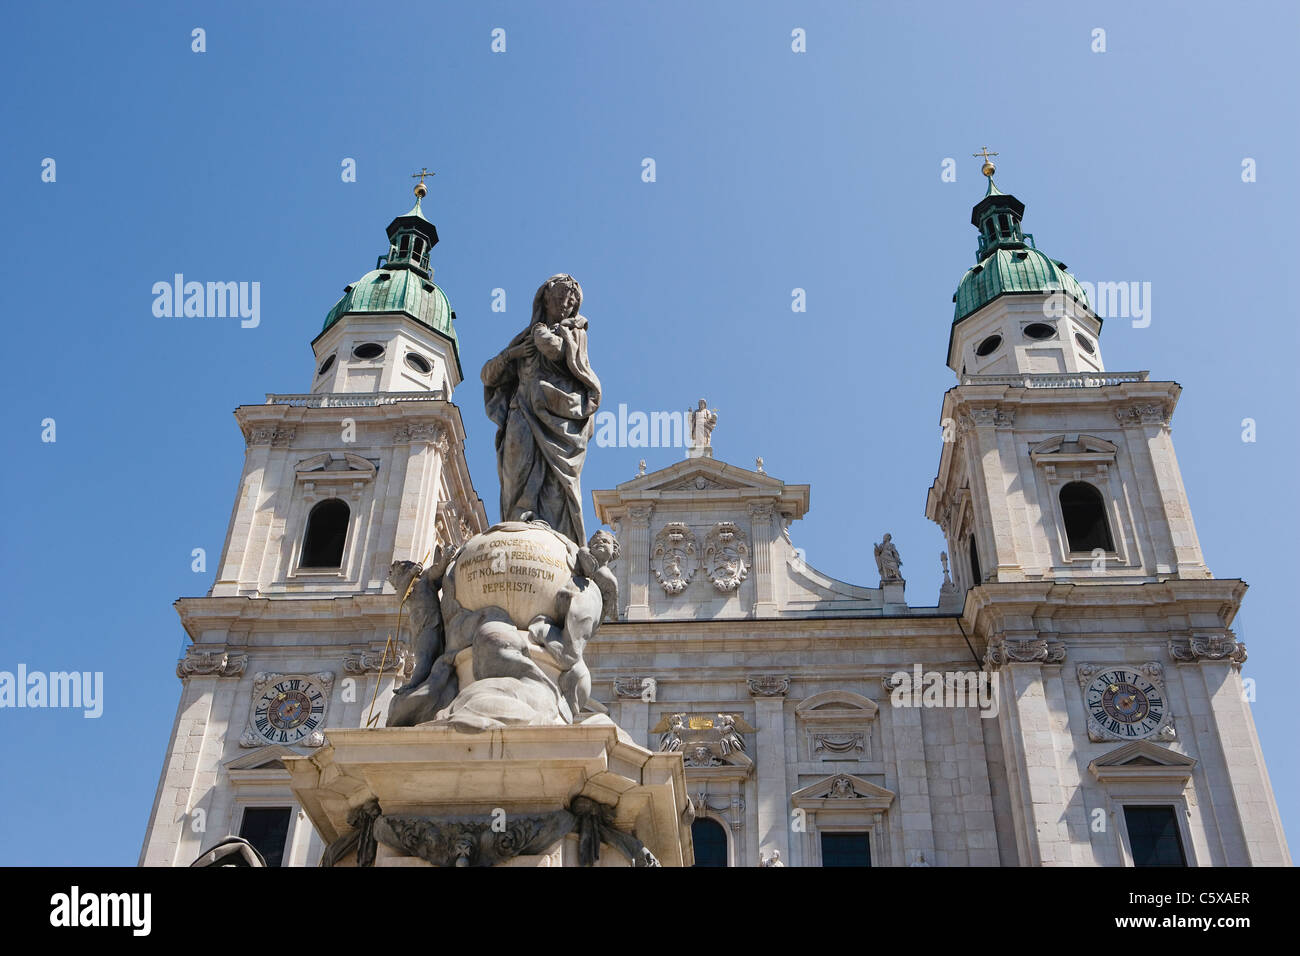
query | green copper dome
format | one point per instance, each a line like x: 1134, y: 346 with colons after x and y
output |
x: 1011, y: 271
x: 1007, y: 260
x: 402, y: 280
x: 396, y: 290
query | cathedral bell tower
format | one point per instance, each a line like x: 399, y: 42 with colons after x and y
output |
x: 1052, y: 468
x: 338, y: 483
x: 1123, y: 726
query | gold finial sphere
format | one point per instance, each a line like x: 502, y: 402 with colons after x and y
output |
x: 421, y: 190
x: 988, y: 168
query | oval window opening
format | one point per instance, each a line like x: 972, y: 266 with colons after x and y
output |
x: 326, y: 365
x: 368, y: 350
x: 1084, y: 343
x: 419, y: 363
x: 1039, y: 330
x: 988, y: 346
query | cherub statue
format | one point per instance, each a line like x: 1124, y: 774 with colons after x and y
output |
x: 591, y: 598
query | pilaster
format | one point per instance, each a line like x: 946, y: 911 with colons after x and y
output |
x: 760, y: 514
x: 637, y: 554
x: 771, y: 776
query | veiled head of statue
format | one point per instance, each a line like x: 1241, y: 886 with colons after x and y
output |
x: 561, y: 295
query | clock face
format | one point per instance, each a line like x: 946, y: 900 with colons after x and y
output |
x: 289, y: 709
x: 1125, y: 704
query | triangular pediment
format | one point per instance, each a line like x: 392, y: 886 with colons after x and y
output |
x: 842, y: 791
x: 263, y: 758
x: 327, y: 465
x: 1142, y: 760
x: 1062, y: 448
x: 700, y: 484
x: 702, y: 474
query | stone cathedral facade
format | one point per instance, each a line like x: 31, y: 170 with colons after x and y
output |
x: 1072, y: 696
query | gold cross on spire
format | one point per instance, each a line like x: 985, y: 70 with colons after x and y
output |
x: 988, y: 169
x: 421, y: 190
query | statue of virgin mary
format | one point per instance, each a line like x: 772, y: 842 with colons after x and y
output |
x: 542, y: 394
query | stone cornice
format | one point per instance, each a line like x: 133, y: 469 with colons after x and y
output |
x: 241, y: 615
x: 1219, y: 596
x: 298, y: 421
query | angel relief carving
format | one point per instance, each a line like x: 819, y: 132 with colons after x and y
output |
x: 675, y: 557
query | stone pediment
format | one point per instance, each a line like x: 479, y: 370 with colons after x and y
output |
x: 326, y: 467
x: 702, y: 474
x: 1142, y: 760
x: 263, y: 758
x: 842, y: 791
x: 1060, y: 449
x: 702, y: 480
x: 836, y: 705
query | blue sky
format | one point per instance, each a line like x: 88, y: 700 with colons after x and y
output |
x: 775, y: 170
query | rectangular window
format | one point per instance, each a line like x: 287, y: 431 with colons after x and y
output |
x: 267, y: 828
x: 846, y: 849
x: 1153, y: 836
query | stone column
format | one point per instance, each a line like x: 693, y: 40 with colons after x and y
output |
x: 1017, y: 494
x: 988, y: 475
x: 1038, y: 794
x: 638, y: 562
x: 1154, y: 534
x: 1242, y: 795
x: 761, y: 528
x: 634, y: 696
x: 770, y: 766
x: 414, y: 528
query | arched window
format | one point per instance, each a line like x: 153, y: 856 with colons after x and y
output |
x: 976, y: 578
x: 327, y: 530
x: 1084, y: 514
x: 710, y: 842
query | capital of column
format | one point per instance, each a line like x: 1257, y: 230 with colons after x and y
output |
x: 1023, y: 651
x: 768, y: 685
x: 1216, y: 647
x: 211, y: 663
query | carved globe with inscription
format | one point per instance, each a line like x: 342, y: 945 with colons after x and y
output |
x: 518, y: 567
